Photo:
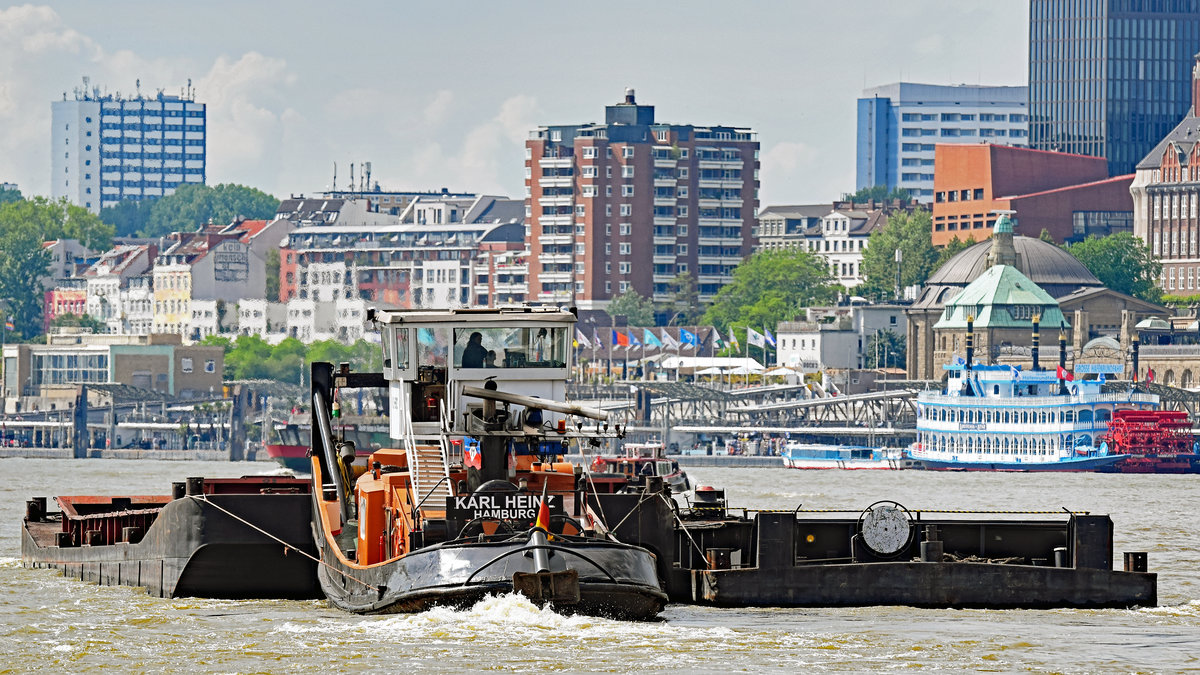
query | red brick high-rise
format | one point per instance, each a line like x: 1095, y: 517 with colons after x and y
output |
x: 631, y: 203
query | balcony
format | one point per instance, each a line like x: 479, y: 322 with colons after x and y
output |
x: 556, y: 200
x: 664, y: 240
x: 709, y: 260
x: 556, y: 258
x: 664, y: 201
x: 556, y: 181
x: 556, y: 162
x: 563, y: 219
x: 665, y: 163
x: 665, y: 182
x: 555, y: 239
x: 664, y: 221
x: 664, y: 259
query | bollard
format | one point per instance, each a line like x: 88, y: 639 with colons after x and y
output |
x: 1136, y: 561
x: 34, y: 512
x: 131, y: 535
x: 931, y: 551
x: 718, y: 558
x: 195, y: 486
x: 93, y: 538
x: 63, y: 539
x: 177, y: 490
x: 1060, y: 556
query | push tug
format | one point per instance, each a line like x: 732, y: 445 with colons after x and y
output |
x: 476, y: 498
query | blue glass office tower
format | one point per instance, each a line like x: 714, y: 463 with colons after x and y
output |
x: 1109, y: 78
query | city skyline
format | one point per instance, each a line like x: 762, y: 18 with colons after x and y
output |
x: 446, y: 96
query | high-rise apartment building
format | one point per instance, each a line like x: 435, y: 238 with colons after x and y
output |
x: 1109, y: 78
x: 898, y: 125
x: 107, y: 148
x: 632, y: 203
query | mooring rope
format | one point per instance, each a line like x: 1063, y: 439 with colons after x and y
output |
x: 204, y: 500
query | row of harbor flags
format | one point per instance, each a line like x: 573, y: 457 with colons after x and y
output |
x: 663, y: 340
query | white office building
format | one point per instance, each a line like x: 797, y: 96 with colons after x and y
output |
x: 898, y: 125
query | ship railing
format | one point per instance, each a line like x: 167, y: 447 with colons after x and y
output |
x: 1036, y: 401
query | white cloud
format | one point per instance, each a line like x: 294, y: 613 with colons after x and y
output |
x: 435, y: 112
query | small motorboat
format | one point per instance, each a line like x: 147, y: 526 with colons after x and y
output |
x: 475, y: 499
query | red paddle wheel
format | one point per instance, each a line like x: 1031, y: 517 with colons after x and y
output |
x: 1155, y: 441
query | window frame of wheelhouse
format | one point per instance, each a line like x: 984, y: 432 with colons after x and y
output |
x: 431, y: 370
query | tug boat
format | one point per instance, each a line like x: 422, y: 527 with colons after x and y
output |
x: 641, y: 460
x: 475, y: 499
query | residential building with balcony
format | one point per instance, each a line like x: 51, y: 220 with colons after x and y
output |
x: 437, y: 254
x: 631, y: 203
x: 108, y: 286
x: 107, y: 148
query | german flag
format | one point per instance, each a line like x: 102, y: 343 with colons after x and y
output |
x: 543, y: 516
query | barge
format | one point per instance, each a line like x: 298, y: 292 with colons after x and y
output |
x: 882, y: 555
x: 215, y: 538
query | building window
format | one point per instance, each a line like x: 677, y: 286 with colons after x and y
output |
x: 608, y: 192
x: 589, y: 191
x: 185, y: 365
x: 589, y: 172
x: 581, y: 210
x: 681, y: 249
x: 682, y: 211
x: 210, y: 366
x: 623, y: 268
x: 626, y: 190
x: 681, y: 192
x: 625, y: 228
x: 627, y: 171
x: 626, y: 209
x: 625, y: 248
x: 662, y: 135
x: 589, y: 152
x: 627, y: 151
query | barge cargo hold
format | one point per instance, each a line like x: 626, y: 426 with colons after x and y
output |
x: 216, y: 538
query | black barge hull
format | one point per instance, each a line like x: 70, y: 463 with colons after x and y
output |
x: 191, y: 546
x: 712, y: 556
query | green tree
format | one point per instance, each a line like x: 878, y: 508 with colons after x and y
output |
x: 23, y: 261
x: 952, y: 249
x: 128, y: 216
x: 78, y: 321
x: 879, y: 193
x: 1047, y: 237
x: 24, y: 226
x: 637, y: 309
x: 10, y: 195
x: 1121, y: 262
x: 772, y: 286
x: 193, y: 205
x: 885, y: 349
x: 683, y: 307
x: 273, y: 275
x: 911, y: 233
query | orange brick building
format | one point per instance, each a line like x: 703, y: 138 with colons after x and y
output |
x: 1070, y: 196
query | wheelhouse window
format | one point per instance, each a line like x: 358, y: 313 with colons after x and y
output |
x: 527, y: 347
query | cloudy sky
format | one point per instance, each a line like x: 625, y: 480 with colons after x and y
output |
x: 443, y: 94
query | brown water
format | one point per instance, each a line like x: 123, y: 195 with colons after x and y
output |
x: 48, y: 623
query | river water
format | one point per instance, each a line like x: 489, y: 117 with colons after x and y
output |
x: 49, y: 623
